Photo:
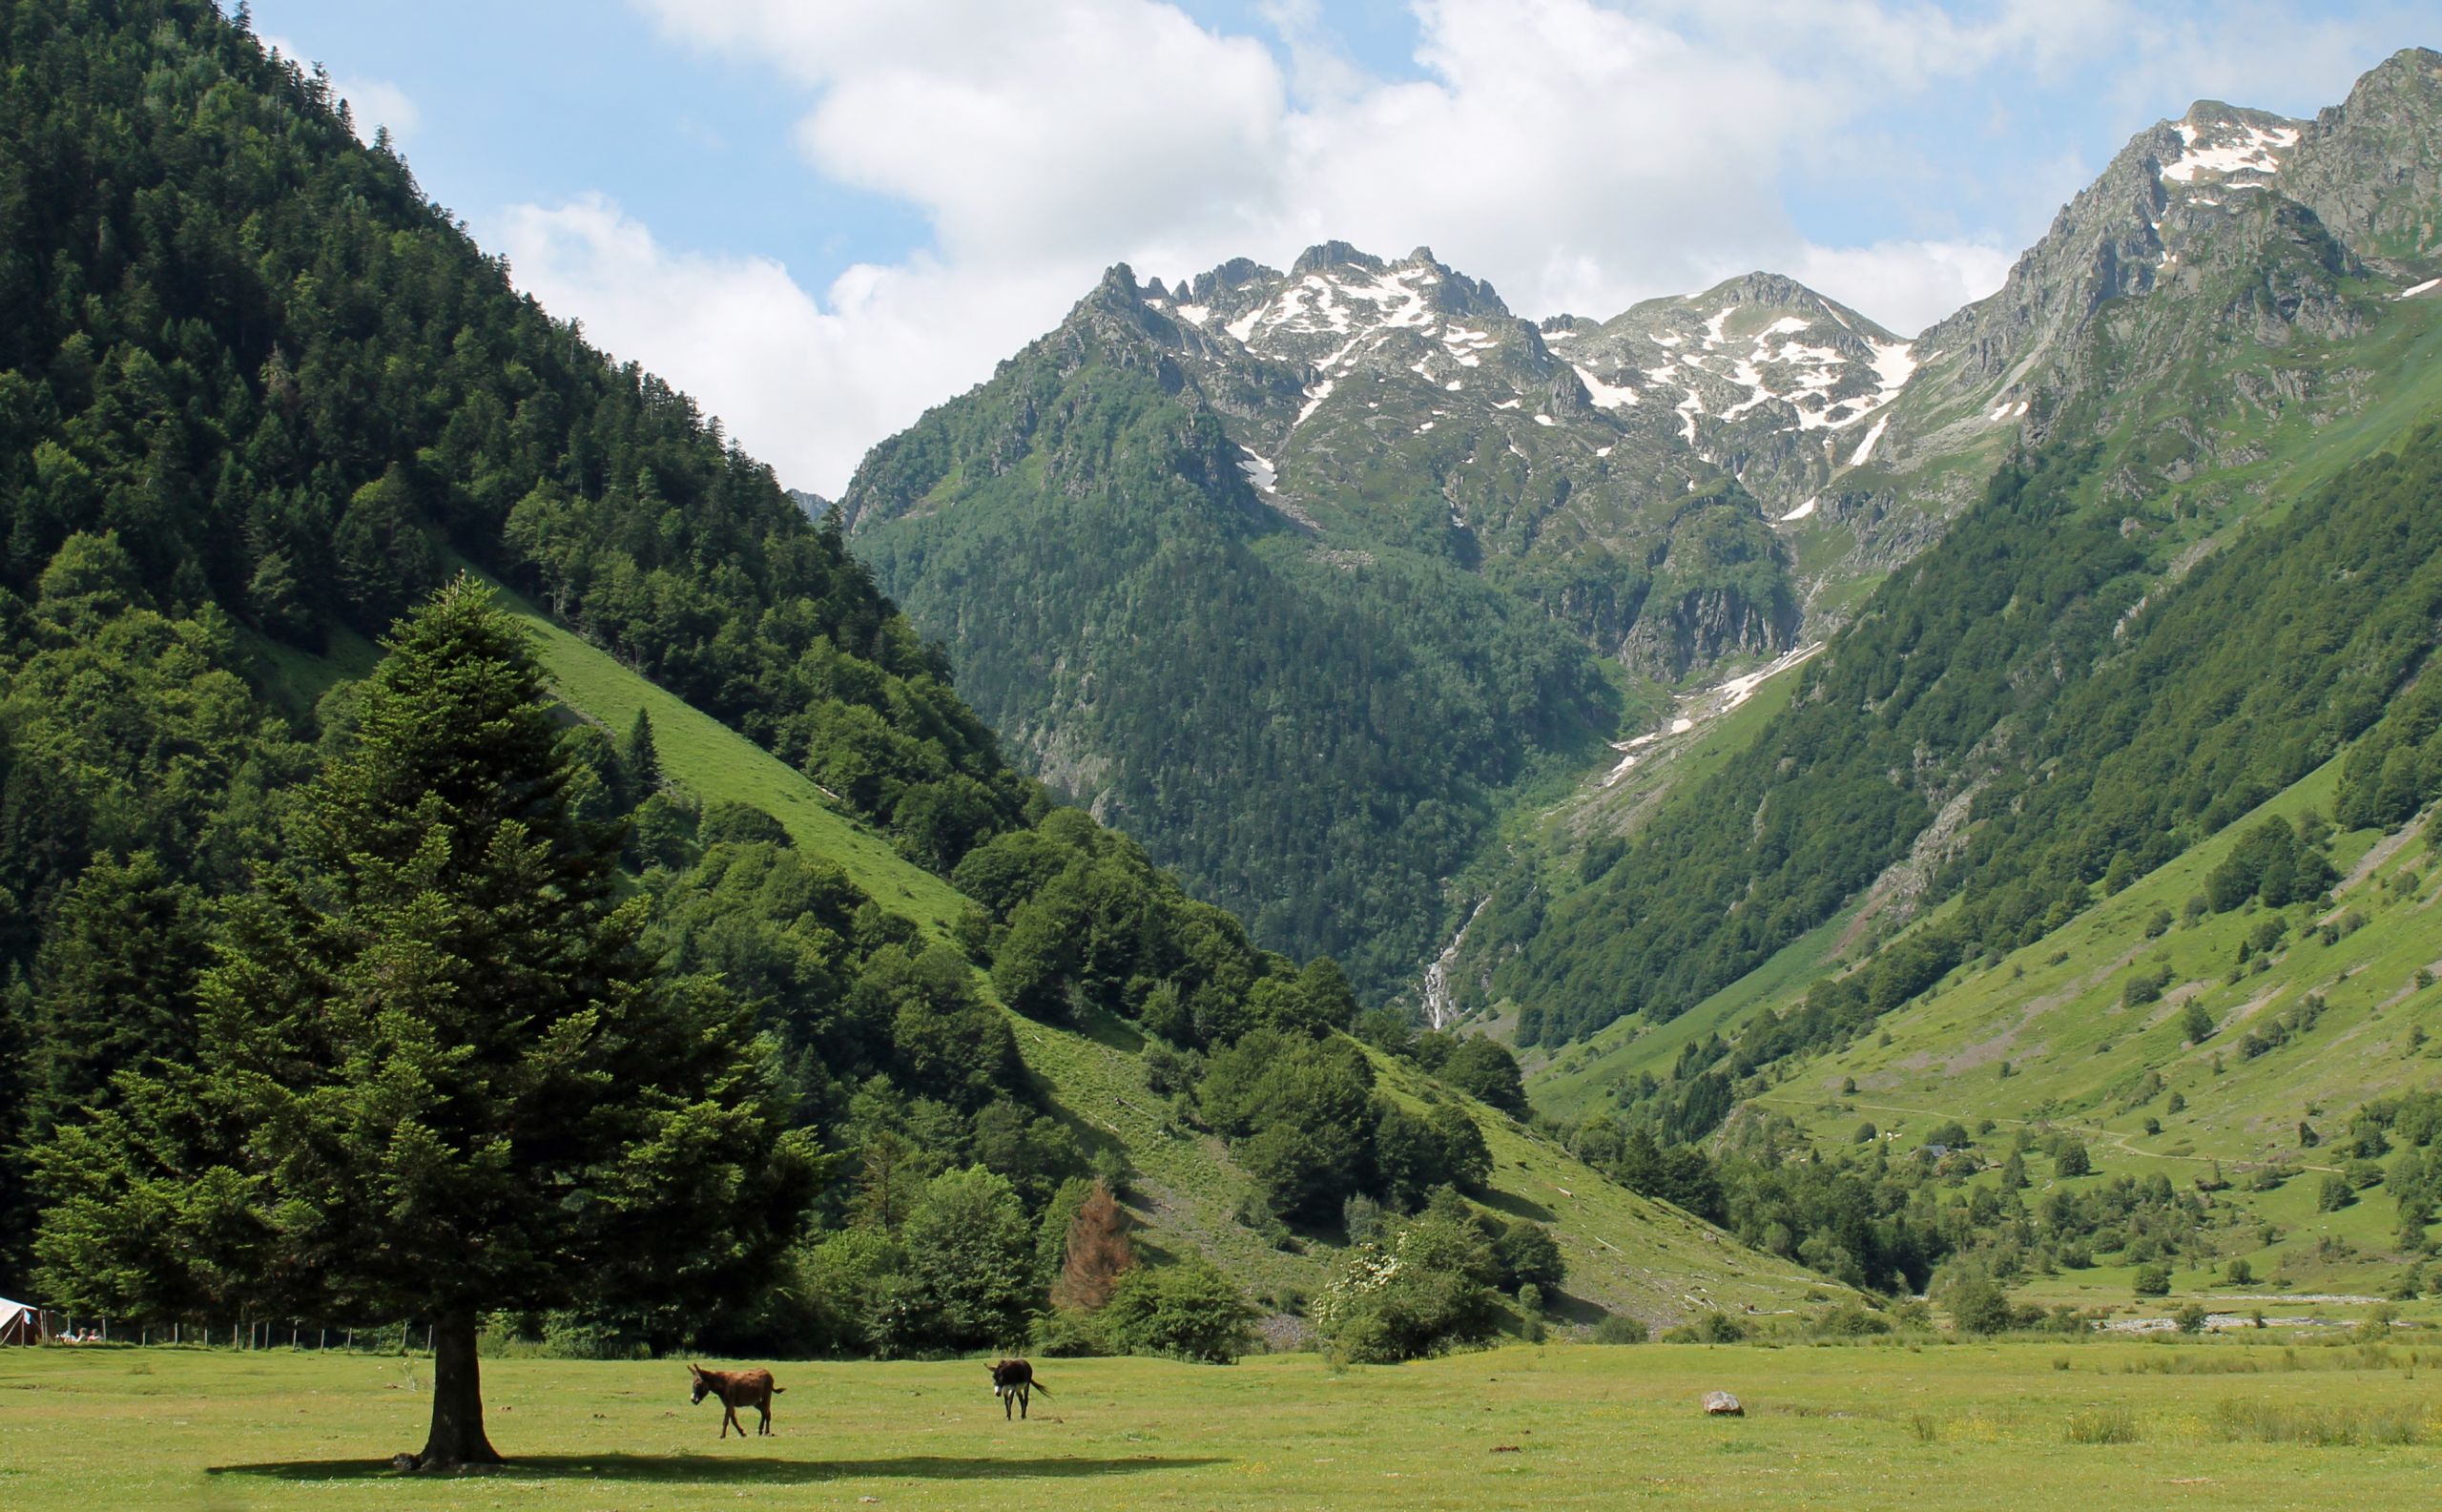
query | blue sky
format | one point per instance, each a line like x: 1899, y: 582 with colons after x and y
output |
x: 823, y: 215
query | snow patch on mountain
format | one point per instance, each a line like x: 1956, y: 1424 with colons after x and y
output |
x: 1865, y: 448
x: 1609, y: 395
x: 2228, y: 146
x: 1315, y: 398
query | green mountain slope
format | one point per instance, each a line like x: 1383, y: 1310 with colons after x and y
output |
x: 2301, y: 1033
x: 1624, y: 1253
x: 2071, y: 682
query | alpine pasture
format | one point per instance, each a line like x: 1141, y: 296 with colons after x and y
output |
x: 2246, y: 1420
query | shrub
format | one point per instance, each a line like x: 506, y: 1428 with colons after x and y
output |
x: 1187, y: 1311
x: 2103, y: 1425
x: 2190, y: 1319
x: 2071, y: 1158
x: 1527, y: 1254
x: 1619, y: 1328
x: 1530, y: 1313
x: 2240, y: 1272
x: 728, y: 822
x: 2153, y: 1280
x: 1428, y: 1291
x: 1978, y: 1306
x: 1714, y: 1327
x: 2333, y: 1194
x: 1849, y: 1320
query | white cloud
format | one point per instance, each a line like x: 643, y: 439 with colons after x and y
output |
x: 807, y: 387
x: 376, y: 103
x: 1580, y: 155
x: 372, y: 103
x: 1906, y: 285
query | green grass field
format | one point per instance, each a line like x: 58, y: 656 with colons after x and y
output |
x: 2016, y: 1425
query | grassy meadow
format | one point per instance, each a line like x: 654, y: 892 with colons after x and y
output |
x: 2226, y: 1422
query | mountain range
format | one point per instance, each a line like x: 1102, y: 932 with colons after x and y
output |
x: 1914, y: 661
x: 1583, y: 519
x: 1764, y: 723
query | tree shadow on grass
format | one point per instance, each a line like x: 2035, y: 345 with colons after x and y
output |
x: 1514, y: 1205
x: 687, y: 1469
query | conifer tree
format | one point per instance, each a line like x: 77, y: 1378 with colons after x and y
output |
x: 114, y: 984
x: 1099, y: 1253
x: 640, y: 759
x: 435, y: 1074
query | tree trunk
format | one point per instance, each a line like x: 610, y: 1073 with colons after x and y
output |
x: 457, y: 1435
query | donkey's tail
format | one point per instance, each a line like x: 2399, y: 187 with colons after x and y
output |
x: 1041, y: 1387
x: 776, y: 1390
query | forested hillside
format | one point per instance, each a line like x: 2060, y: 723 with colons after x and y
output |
x: 262, y: 399
x: 258, y: 394
x: 1314, y: 740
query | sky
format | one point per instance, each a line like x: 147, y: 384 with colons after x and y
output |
x: 822, y: 216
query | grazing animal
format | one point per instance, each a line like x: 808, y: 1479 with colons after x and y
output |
x: 736, y: 1388
x: 1013, y: 1382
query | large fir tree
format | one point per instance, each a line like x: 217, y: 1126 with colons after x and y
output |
x: 435, y: 1074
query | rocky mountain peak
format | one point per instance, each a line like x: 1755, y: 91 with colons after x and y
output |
x: 1326, y: 256
x: 2370, y: 168
x: 2225, y: 148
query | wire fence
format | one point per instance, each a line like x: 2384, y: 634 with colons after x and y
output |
x: 296, y: 1334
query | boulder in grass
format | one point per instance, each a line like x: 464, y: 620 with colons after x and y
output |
x: 1722, y: 1404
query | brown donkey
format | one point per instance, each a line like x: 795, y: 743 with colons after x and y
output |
x: 736, y: 1388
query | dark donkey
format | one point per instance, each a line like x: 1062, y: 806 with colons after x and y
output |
x: 1013, y: 1381
x: 736, y: 1388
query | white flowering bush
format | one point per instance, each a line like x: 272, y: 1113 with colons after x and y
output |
x: 1428, y: 1289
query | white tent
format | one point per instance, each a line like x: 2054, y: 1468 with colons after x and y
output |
x: 21, y: 1323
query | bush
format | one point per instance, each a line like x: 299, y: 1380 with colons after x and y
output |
x: 1484, y: 1069
x: 2240, y: 1272
x: 1429, y: 1290
x: 728, y: 822
x: 1528, y: 1255
x: 2333, y: 1194
x: 1530, y: 1313
x: 1849, y: 1320
x: 1714, y: 1327
x: 1187, y: 1311
x: 1978, y: 1306
x: 2153, y: 1280
x: 1619, y: 1328
x: 2190, y: 1319
x: 2070, y: 1159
